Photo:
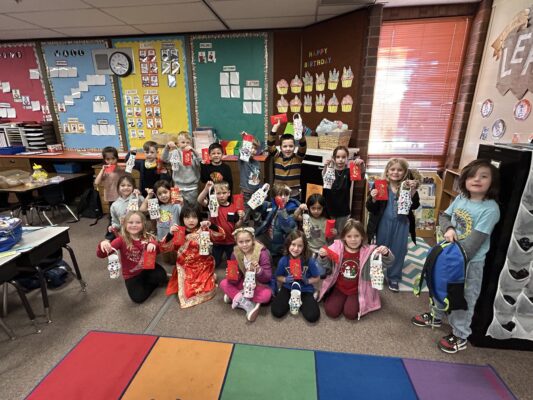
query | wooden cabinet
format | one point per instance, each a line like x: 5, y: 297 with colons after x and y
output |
x: 450, y: 188
x: 15, y: 163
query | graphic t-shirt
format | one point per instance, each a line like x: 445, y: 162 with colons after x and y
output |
x: 348, y: 278
x: 468, y: 215
x: 169, y: 215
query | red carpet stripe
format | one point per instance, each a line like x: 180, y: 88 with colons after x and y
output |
x: 99, y: 367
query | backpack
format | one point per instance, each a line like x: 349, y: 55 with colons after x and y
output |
x: 444, y: 272
x: 90, y: 205
x: 10, y: 232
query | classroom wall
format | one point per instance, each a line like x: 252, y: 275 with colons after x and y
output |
x: 503, y: 13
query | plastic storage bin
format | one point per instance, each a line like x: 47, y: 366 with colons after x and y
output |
x: 67, y: 168
x: 10, y: 150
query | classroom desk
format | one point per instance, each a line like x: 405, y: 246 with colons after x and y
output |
x: 38, y: 244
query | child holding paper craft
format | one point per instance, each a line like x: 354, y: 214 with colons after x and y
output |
x: 148, y: 167
x: 133, y: 243
x: 193, y: 279
x: 185, y: 166
x: 250, y: 179
x: 297, y: 266
x: 216, y: 170
x: 249, y: 255
x: 287, y: 164
x: 385, y: 223
x: 109, y: 174
x: 169, y: 213
x: 348, y: 286
x: 338, y: 196
x: 223, y: 214
x: 313, y: 216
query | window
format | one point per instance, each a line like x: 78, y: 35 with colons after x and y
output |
x: 417, y: 79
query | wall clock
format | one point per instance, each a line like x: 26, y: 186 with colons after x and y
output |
x: 120, y: 64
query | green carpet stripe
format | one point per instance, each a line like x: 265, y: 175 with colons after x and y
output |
x: 266, y: 373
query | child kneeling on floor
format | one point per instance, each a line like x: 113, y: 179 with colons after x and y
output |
x: 348, y: 286
x: 132, y: 243
x: 253, y: 260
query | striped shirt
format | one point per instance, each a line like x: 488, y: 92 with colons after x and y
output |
x: 287, y: 170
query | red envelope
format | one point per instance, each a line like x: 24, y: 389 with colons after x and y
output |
x: 238, y: 199
x: 330, y: 224
x: 205, y: 156
x: 109, y: 168
x: 331, y: 255
x: 281, y: 117
x: 186, y: 156
x: 295, y: 268
x: 179, y: 236
x: 246, y: 137
x: 381, y: 186
x: 149, y: 259
x: 355, y: 171
x: 174, y: 194
x: 232, y: 270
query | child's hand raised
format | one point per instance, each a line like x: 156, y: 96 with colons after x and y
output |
x: 171, y: 145
x: 136, y: 192
x: 373, y: 193
x: 240, y: 213
x: 322, y: 252
x: 149, y: 192
x: 205, y: 224
x: 382, y: 250
x: 210, y: 184
x: 275, y: 127
x: 174, y: 228
x: 303, y: 207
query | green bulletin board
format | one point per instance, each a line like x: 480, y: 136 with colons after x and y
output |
x: 230, y: 83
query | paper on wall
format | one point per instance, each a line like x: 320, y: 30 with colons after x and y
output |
x: 91, y: 80
x: 224, y: 78
x: 100, y: 80
x: 53, y: 72
x: 3, y: 112
x: 6, y: 87
x: 72, y: 72
x: 83, y: 86
x: 256, y: 107
x: 34, y: 74
x: 11, y: 113
x: 234, y: 78
x: 36, y: 105
x: 257, y: 93
x: 76, y: 94
x: 224, y: 92
x: 62, y: 72
x: 100, y: 107
x: 247, y: 107
x: 235, y: 92
x: 248, y: 93
x: 69, y: 100
x: 95, y: 129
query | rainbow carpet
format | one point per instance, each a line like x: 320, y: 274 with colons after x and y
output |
x: 105, y: 365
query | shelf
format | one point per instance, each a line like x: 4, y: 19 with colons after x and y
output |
x: 450, y: 192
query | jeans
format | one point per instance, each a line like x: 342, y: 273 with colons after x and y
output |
x: 219, y: 249
x: 460, y: 320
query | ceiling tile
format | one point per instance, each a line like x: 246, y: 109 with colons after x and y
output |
x: 233, y: 9
x: 122, y: 3
x: 69, y: 18
x: 13, y: 23
x: 162, y: 14
x: 405, y: 3
x: 100, y: 31
x: 29, y: 34
x: 40, y: 5
x: 182, y: 27
x: 337, y: 10
x: 265, y: 23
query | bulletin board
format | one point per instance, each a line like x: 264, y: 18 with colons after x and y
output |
x: 155, y: 97
x: 84, y: 102
x: 230, y: 73
x: 22, y: 92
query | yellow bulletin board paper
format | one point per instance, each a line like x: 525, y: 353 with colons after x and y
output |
x: 155, y: 97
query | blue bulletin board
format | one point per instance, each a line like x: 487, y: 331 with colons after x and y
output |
x: 230, y: 73
x: 84, y: 102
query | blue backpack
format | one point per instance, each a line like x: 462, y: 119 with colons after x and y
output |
x: 444, y: 272
x: 10, y: 232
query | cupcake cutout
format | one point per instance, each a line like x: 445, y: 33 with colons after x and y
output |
x: 282, y: 86
x: 320, y: 82
x: 333, y: 104
x: 296, y: 104
x: 296, y: 84
x: 333, y: 79
x: 346, y: 103
x: 347, y: 77
x: 308, y: 103
x: 308, y: 82
x: 320, y: 102
x: 283, y: 105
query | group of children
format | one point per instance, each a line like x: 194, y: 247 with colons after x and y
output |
x: 279, y: 250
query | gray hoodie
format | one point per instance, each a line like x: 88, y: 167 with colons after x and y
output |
x: 186, y: 177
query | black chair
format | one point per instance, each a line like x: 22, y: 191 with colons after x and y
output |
x: 51, y: 199
x: 7, y: 273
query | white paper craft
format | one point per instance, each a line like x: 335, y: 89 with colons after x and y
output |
x: 153, y: 208
x: 224, y: 78
x: 247, y: 107
x: 256, y: 107
x: 213, y: 203
x: 329, y: 177
x: 130, y: 163
x: 234, y: 78
x: 34, y: 74
x: 224, y: 92
x: 204, y: 242
x: 248, y: 93
x: 298, y: 126
x: 259, y: 196
x: 174, y: 160
x: 295, y: 302
x: 249, y: 284
x: 245, y: 151
x: 133, y: 204
x: 306, y: 225
x: 376, y: 271
x: 113, y: 265
x: 6, y: 87
x: 235, y: 92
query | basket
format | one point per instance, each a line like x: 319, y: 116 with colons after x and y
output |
x: 330, y: 140
x: 312, y: 142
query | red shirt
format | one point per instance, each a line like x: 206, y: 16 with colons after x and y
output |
x: 348, y: 278
x: 227, y: 218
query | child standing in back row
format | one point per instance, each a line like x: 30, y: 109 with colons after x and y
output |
x: 469, y: 220
x: 216, y: 170
x: 250, y: 180
x: 390, y: 228
x: 109, y: 174
x: 148, y: 167
x: 185, y: 177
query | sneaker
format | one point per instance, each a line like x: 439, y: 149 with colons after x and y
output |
x: 394, y: 287
x: 452, y: 344
x: 253, y: 312
x: 238, y: 301
x: 426, y: 319
x: 227, y: 300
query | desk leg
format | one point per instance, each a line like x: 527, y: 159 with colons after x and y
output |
x: 44, y: 293
x: 26, y: 305
x: 7, y: 329
x: 4, y: 300
x: 76, y: 267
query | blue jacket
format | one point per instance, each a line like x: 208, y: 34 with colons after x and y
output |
x: 281, y: 221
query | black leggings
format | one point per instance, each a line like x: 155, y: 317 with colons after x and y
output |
x: 141, y: 286
x: 309, y: 309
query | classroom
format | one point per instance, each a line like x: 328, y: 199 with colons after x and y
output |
x: 239, y: 199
